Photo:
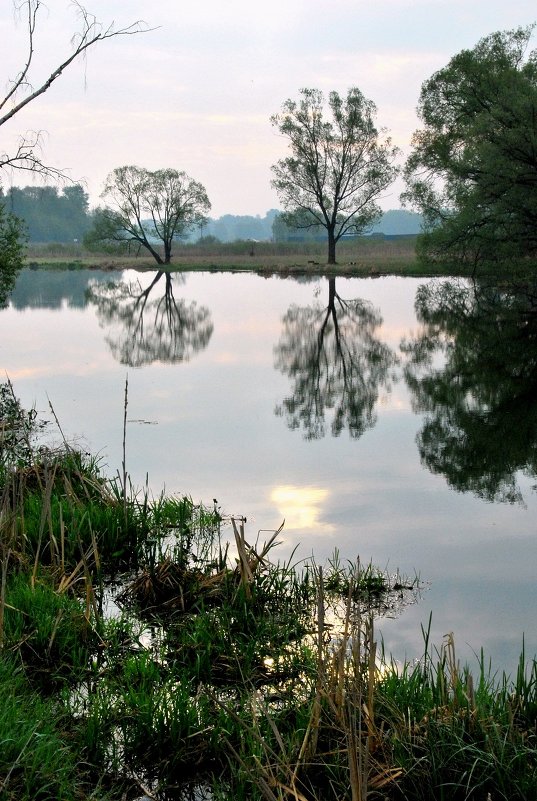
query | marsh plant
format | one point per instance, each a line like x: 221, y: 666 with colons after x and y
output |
x: 148, y: 646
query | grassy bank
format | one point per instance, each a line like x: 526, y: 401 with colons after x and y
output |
x: 148, y: 646
x: 359, y: 257
x: 368, y: 257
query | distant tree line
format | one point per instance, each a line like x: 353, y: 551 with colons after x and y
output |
x: 231, y: 227
x: 395, y: 222
x: 50, y: 215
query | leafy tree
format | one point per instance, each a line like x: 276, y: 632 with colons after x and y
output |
x: 145, y: 329
x: 283, y: 232
x: 336, y: 363
x: 12, y: 236
x: 473, y: 170
x: 337, y: 169
x: 472, y: 370
x: 105, y: 236
x: 151, y: 209
x: 51, y: 215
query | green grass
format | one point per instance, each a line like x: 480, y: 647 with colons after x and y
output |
x: 455, y: 736
x: 36, y: 760
x: 354, y: 258
x: 366, y: 257
x: 220, y: 664
x: 49, y: 631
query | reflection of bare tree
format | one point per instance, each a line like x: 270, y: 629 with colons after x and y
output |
x: 480, y: 425
x: 336, y: 363
x: 160, y: 329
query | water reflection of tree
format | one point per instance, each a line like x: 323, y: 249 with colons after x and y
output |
x: 38, y: 288
x: 481, y: 412
x: 150, y: 329
x: 335, y: 362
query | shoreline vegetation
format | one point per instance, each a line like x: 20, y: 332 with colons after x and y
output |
x: 149, y: 649
x: 373, y: 257
x: 392, y: 256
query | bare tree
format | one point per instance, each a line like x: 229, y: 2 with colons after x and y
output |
x: 24, y: 88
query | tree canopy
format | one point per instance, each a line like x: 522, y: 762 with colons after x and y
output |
x: 151, y: 209
x: 48, y: 214
x: 11, y: 252
x: 338, y: 167
x: 473, y: 170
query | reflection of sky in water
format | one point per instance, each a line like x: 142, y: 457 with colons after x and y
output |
x: 301, y: 508
x: 215, y: 435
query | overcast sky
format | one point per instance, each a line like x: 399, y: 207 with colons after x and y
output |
x: 197, y: 92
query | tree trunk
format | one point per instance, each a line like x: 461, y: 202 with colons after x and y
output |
x: 167, y: 251
x: 331, y: 247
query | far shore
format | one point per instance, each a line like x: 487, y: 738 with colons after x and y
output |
x: 360, y: 257
x: 372, y: 258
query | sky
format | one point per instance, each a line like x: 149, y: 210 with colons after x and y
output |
x: 196, y: 92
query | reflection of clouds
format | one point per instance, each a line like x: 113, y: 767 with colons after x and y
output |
x: 227, y: 358
x: 300, y: 506
x: 397, y: 401
x: 72, y: 368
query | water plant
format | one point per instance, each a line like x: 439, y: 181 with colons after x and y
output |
x: 147, y: 646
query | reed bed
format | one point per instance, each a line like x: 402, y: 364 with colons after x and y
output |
x: 220, y: 667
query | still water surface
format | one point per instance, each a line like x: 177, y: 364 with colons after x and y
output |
x: 407, y: 440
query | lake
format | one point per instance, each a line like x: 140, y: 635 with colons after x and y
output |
x: 392, y: 419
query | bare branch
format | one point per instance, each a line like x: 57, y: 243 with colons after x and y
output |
x: 90, y: 34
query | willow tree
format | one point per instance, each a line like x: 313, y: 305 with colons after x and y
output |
x: 473, y: 169
x: 150, y: 209
x: 340, y: 164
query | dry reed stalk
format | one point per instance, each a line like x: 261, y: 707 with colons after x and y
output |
x: 308, y: 746
x: 124, y: 452
x: 321, y: 656
x: 6, y: 553
x: 245, y: 567
x: 91, y: 602
x: 268, y: 545
x: 448, y: 648
x: 45, y: 516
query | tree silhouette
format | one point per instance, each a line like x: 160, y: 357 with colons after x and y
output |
x: 480, y: 423
x: 148, y: 330
x: 336, y: 363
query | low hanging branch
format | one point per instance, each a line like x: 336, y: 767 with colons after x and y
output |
x: 91, y: 33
